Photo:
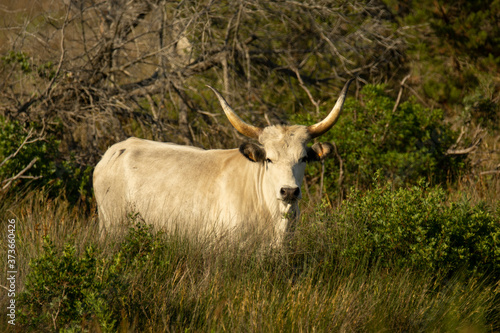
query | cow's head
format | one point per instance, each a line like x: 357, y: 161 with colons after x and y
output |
x: 283, y: 150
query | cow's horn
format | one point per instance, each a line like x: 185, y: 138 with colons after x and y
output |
x: 242, y: 127
x: 327, y: 123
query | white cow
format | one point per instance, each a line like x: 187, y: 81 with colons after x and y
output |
x: 212, y: 190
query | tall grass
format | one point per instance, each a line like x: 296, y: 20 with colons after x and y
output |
x: 148, y: 280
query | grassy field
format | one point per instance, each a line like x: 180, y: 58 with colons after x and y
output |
x: 331, y: 277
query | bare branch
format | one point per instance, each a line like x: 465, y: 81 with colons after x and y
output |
x: 303, y: 86
x: 25, y: 142
x: 9, y: 181
x: 63, y: 53
x: 489, y: 172
x: 463, y: 151
x: 396, y: 105
x: 400, y: 93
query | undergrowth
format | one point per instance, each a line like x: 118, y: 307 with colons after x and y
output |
x: 404, y: 260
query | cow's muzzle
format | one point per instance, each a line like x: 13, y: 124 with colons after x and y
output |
x: 290, y: 194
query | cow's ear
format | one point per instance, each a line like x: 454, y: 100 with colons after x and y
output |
x: 253, y: 152
x: 319, y: 151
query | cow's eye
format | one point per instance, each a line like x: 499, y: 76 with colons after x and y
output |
x: 268, y: 160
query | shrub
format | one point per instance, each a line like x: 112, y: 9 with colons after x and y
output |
x: 12, y: 136
x: 407, y: 144
x: 412, y: 227
x: 62, y: 289
x: 49, y: 169
x: 66, y: 289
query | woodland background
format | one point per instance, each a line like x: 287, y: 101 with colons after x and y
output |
x: 414, y: 185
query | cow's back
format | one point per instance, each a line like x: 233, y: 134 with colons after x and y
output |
x: 169, y: 185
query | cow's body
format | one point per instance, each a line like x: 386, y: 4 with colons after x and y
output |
x: 169, y: 184
x: 210, y: 190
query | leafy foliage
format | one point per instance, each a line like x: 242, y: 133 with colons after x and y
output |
x: 12, y: 135
x: 20, y: 58
x: 61, y: 287
x: 406, y: 144
x: 21, y: 145
x: 65, y: 288
x: 414, y: 227
x: 455, y: 52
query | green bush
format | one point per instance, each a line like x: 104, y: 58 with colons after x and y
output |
x: 482, y: 110
x: 50, y: 170
x: 62, y: 289
x: 407, y: 144
x: 12, y: 135
x: 66, y: 290
x: 412, y: 227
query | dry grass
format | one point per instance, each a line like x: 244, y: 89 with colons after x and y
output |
x: 195, y: 285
